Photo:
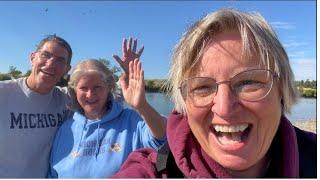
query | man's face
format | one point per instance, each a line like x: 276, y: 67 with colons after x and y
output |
x: 49, y: 64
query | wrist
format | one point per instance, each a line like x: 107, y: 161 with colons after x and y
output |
x: 143, y: 107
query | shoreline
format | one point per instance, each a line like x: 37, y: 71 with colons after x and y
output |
x: 308, y: 125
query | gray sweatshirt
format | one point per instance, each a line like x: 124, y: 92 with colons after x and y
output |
x: 28, y: 122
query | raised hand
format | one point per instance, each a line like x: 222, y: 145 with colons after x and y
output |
x: 128, y: 54
x: 132, y: 85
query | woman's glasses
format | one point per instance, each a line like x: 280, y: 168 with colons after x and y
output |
x: 250, y: 85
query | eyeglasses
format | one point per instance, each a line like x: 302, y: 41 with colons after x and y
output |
x: 45, y: 56
x: 251, y: 85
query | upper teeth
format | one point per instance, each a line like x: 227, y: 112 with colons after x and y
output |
x: 232, y: 128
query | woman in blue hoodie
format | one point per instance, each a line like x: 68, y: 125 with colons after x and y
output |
x: 101, y: 134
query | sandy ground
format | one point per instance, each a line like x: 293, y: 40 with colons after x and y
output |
x: 308, y: 125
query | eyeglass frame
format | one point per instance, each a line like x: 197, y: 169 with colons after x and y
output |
x: 274, y: 75
x: 52, y: 56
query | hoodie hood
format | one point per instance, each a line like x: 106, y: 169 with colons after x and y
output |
x: 114, y: 111
x: 93, y: 126
x: 195, y: 163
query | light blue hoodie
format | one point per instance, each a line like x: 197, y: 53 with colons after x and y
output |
x: 97, y: 149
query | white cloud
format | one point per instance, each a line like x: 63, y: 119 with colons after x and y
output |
x: 293, y: 44
x: 298, y: 54
x: 304, y: 68
x: 298, y: 50
x: 282, y: 25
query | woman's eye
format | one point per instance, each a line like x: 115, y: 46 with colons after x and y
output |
x: 249, y: 85
x: 202, y: 90
x: 83, y: 88
x: 97, y: 87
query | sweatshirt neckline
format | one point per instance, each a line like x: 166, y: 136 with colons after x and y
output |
x: 112, y: 113
x: 30, y: 93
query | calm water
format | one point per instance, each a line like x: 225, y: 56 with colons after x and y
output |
x: 304, y: 110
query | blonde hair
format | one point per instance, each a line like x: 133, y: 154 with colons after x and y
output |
x: 258, y: 38
x: 85, y: 67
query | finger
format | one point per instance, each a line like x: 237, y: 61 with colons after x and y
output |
x: 124, y: 46
x: 140, y: 51
x: 139, y: 70
x: 142, y: 78
x: 131, y: 71
x: 129, y: 44
x: 134, y: 48
x: 136, y: 68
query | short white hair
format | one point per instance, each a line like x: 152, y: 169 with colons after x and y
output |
x: 258, y: 38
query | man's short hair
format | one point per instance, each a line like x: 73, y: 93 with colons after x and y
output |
x: 58, y: 40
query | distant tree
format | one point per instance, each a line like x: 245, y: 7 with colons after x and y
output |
x: 155, y: 85
x: 105, y: 62
x: 64, y: 80
x: 307, y: 84
x: 314, y: 84
x: 114, y: 69
x: 4, y: 77
x: 27, y: 73
x: 13, y: 72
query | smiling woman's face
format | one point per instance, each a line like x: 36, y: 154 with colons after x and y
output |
x: 234, y: 132
x: 92, y: 93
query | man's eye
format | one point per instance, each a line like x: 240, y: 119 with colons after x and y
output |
x: 61, y: 60
x: 45, y: 55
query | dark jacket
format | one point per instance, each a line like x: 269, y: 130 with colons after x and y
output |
x: 293, y: 154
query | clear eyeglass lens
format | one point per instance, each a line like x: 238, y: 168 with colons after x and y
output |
x: 252, y: 85
x: 44, y: 55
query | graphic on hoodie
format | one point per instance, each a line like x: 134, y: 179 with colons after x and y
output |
x: 115, y: 147
x: 88, y: 148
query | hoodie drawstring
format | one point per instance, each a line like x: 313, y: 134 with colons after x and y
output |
x: 97, y: 142
x: 76, y: 153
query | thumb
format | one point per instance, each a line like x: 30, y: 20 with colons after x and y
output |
x: 118, y: 59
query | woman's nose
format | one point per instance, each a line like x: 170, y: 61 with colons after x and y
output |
x: 225, y: 101
x: 90, y: 93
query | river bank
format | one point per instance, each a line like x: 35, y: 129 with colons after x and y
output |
x: 308, y: 125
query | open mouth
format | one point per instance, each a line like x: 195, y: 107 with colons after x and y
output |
x: 91, y: 102
x: 47, y: 73
x: 231, y: 134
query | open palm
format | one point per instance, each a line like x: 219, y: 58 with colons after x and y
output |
x: 128, y: 54
x: 132, y: 85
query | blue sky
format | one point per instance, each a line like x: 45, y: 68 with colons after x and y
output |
x: 96, y: 29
